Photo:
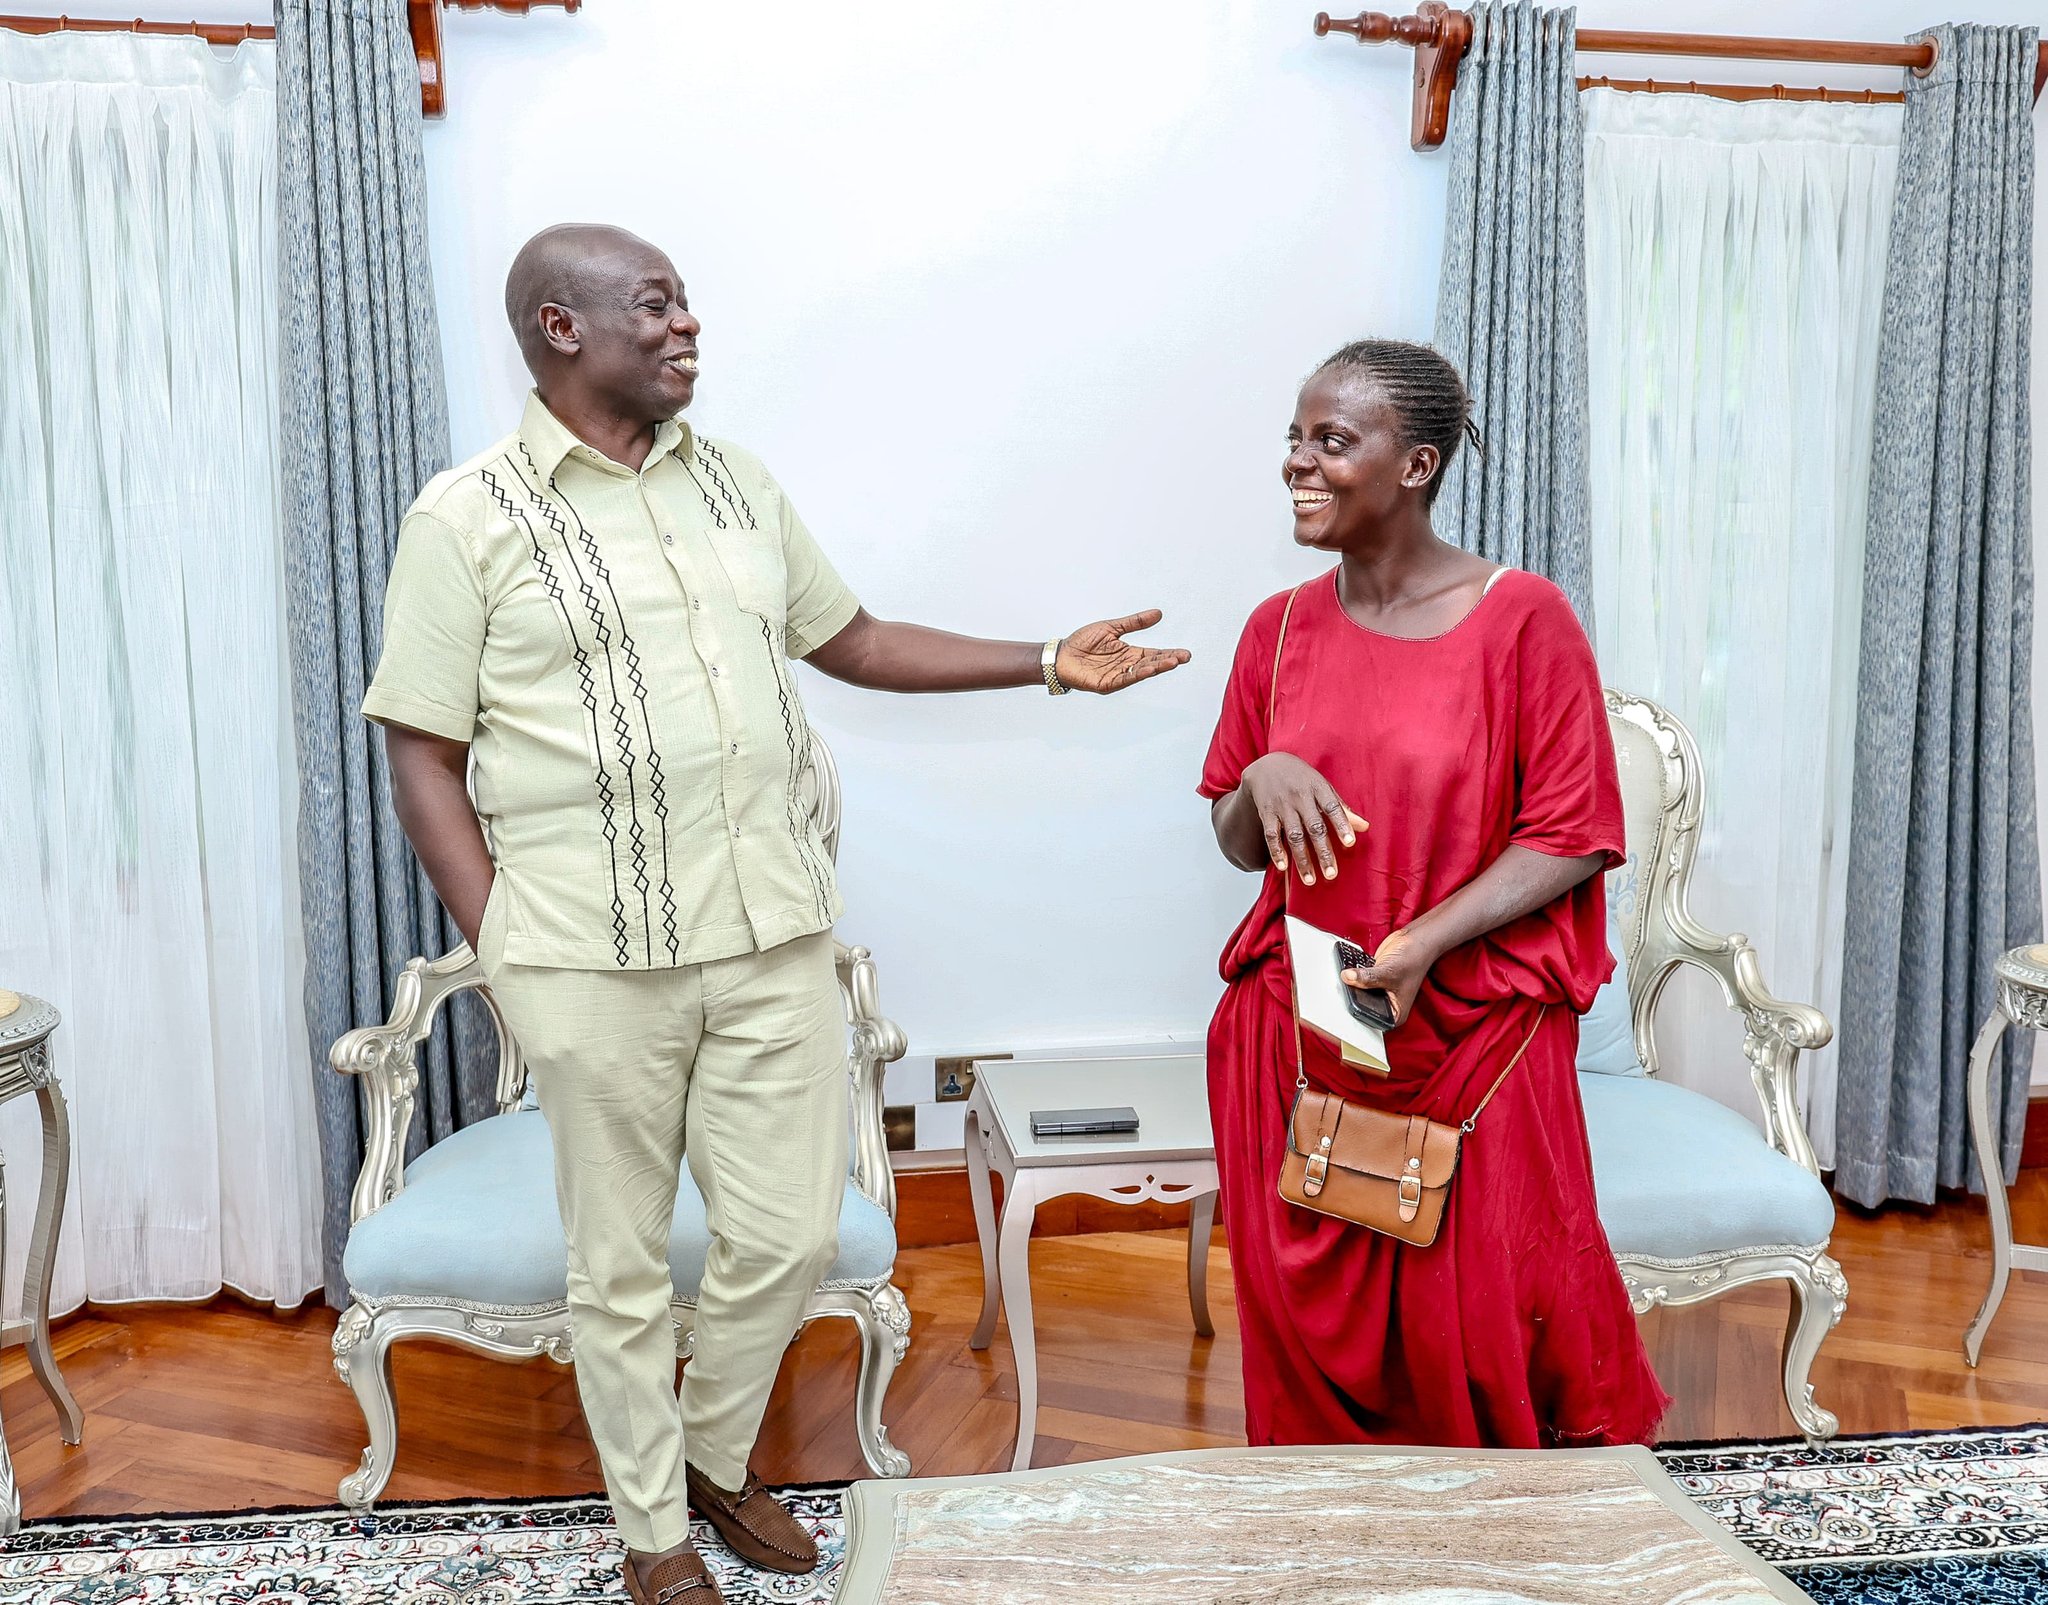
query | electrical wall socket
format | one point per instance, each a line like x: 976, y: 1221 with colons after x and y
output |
x: 953, y: 1079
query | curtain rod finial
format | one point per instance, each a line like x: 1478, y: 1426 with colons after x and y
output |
x: 1439, y: 36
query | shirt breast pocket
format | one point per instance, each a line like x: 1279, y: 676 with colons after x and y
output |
x: 760, y: 582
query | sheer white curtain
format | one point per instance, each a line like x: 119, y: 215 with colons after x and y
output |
x: 146, y: 806
x: 1735, y: 258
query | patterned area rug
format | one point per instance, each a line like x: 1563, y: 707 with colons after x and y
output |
x: 1914, y: 1520
x: 535, y: 1552
x: 1929, y: 1519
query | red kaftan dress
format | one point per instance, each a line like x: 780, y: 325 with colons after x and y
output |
x: 1512, y: 1330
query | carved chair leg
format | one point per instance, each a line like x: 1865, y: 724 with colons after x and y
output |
x: 362, y: 1356
x: 1978, y: 1098
x: 884, y: 1340
x: 1820, y: 1295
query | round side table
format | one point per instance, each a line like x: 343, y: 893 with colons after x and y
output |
x: 25, y: 1067
x: 2022, y: 1000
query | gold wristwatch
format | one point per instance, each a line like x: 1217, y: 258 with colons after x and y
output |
x: 1048, y: 663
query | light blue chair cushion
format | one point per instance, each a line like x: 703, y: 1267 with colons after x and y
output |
x: 1678, y: 1174
x: 477, y: 1221
x: 1607, y: 1042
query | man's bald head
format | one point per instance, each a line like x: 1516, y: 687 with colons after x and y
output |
x: 568, y: 265
x: 600, y: 312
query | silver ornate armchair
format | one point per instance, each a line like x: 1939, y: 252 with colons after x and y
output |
x: 466, y: 1245
x: 1697, y: 1200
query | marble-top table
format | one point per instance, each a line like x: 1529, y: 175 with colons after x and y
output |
x: 1340, y: 1526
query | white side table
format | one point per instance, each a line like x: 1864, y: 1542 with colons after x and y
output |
x: 2022, y: 1000
x: 1170, y: 1157
x: 25, y: 1067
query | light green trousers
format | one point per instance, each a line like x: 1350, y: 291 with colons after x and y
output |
x: 739, y: 1067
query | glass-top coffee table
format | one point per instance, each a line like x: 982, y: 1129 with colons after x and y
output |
x: 1170, y: 1157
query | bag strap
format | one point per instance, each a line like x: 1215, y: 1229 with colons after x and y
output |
x: 1472, y: 1120
x: 1287, y: 877
x: 1279, y: 646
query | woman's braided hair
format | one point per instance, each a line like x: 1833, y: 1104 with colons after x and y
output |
x: 1425, y: 391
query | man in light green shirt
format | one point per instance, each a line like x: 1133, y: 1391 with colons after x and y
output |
x: 595, y: 741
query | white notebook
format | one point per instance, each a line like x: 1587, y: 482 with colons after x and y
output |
x: 1320, y: 998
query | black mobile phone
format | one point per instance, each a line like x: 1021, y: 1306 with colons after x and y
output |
x: 1083, y: 1122
x: 1375, y: 1009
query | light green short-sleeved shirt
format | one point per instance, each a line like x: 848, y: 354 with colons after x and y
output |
x: 613, y: 646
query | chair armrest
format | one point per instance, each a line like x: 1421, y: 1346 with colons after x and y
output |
x: 874, y: 1042
x: 1775, y: 1032
x: 385, y: 1058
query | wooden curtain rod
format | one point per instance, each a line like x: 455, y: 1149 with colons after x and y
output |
x: 422, y: 17
x: 1440, y: 37
x: 214, y: 33
x: 1667, y: 86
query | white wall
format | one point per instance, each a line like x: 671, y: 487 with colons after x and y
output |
x: 1014, y: 301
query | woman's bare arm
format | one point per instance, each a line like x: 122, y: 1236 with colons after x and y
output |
x: 1518, y: 882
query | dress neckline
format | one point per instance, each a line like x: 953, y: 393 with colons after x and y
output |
x: 1492, y: 580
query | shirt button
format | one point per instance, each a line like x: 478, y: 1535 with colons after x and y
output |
x: 714, y: 671
x: 735, y: 749
x: 696, y: 604
x: 668, y: 540
x: 735, y: 830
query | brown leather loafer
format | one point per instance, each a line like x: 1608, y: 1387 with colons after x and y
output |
x: 754, y: 1526
x: 678, y: 1577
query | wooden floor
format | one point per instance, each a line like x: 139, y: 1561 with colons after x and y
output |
x: 227, y: 1407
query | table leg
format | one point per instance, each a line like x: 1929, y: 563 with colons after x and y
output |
x: 1979, y: 1098
x: 42, y: 1258
x: 10, y: 1493
x: 1020, y: 1206
x: 1201, y: 1230
x: 984, y: 1228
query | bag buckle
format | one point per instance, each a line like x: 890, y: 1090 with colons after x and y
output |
x: 1411, y: 1197
x: 1318, y: 1170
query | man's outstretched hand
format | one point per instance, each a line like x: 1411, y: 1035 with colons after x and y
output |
x: 1097, y: 658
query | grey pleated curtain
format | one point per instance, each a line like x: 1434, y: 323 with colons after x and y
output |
x: 1944, y: 870
x: 1511, y: 306
x: 364, y: 425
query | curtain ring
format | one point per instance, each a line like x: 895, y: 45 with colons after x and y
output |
x: 1933, y: 43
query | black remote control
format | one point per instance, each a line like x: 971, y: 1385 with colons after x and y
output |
x: 1369, y: 1008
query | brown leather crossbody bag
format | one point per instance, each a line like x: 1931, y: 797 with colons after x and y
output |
x: 1387, y: 1172
x: 1391, y: 1173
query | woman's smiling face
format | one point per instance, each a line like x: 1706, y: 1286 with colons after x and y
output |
x: 1349, y: 468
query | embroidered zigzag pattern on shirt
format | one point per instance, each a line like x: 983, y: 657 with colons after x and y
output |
x: 628, y: 649
x: 586, y: 680
x: 797, y: 733
x: 721, y: 475
x: 710, y: 502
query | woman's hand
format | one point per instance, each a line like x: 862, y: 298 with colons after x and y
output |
x: 1399, y: 968
x: 1299, y: 811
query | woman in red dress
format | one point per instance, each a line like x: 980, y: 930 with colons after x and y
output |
x: 1439, y: 782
